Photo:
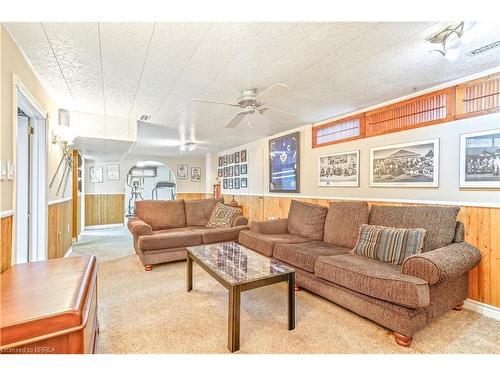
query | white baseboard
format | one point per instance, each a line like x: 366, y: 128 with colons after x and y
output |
x: 68, y: 253
x: 482, y: 308
x: 105, y: 226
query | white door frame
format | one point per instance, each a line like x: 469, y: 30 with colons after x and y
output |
x: 22, y: 98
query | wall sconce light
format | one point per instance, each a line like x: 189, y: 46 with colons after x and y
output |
x: 63, y: 134
x: 445, y: 37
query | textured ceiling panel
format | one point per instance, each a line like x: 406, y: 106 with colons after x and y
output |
x: 332, y: 68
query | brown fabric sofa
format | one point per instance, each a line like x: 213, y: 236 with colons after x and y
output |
x: 402, y: 298
x: 163, y: 229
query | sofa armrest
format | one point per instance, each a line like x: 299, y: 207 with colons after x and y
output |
x: 138, y: 227
x: 239, y: 220
x: 270, y: 227
x: 443, y: 263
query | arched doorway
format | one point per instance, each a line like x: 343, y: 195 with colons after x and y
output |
x: 148, y: 180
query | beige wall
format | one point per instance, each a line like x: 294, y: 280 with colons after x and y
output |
x: 13, y: 62
x: 111, y: 187
x: 448, y: 190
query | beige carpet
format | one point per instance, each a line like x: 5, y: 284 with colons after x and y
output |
x: 150, y: 312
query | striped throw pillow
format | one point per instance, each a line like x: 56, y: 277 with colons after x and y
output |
x: 222, y: 216
x: 390, y: 245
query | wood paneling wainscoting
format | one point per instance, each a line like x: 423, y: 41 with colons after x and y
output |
x: 60, y: 228
x: 191, y: 196
x: 6, y: 242
x: 104, y: 209
x: 481, y: 230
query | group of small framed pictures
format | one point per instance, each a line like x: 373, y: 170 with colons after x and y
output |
x: 96, y: 173
x: 416, y: 164
x: 182, y: 173
x: 233, y: 170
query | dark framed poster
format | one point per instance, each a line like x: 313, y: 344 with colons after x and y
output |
x: 284, y: 164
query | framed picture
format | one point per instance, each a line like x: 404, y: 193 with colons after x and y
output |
x: 237, y: 157
x: 230, y: 171
x: 480, y: 159
x: 340, y: 169
x: 237, y: 170
x: 195, y: 174
x: 243, y: 169
x: 113, y: 172
x: 95, y: 174
x: 236, y: 183
x: 221, y: 161
x: 284, y: 163
x: 243, y: 156
x: 224, y: 183
x: 244, y: 183
x: 230, y: 159
x: 413, y: 164
x: 182, y: 171
x: 226, y: 171
x: 230, y: 185
x: 224, y: 160
x: 219, y: 172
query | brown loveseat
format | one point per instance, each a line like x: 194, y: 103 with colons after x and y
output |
x: 317, y: 240
x: 163, y: 229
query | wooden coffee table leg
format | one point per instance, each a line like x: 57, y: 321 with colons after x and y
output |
x: 291, y: 301
x: 233, y: 334
x: 189, y: 274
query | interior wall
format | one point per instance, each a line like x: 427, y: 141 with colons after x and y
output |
x: 448, y: 190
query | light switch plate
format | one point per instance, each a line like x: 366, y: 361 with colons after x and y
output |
x: 3, y: 170
x: 10, y: 170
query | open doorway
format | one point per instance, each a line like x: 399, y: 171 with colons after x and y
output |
x: 30, y: 198
x: 148, y: 180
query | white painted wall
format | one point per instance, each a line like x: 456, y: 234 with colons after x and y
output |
x: 448, y: 191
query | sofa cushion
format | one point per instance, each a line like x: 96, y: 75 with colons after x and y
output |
x: 304, y: 255
x: 374, y: 278
x: 169, y: 240
x: 198, y: 211
x: 306, y: 220
x: 161, y: 214
x: 343, y: 221
x: 222, y: 216
x: 213, y: 235
x: 264, y: 243
x: 439, y: 222
x: 390, y: 245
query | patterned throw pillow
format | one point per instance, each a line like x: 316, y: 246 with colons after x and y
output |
x: 390, y: 245
x: 222, y: 216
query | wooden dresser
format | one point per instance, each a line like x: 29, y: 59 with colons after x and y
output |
x: 49, y: 307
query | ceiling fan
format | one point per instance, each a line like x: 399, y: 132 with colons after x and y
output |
x: 252, y: 102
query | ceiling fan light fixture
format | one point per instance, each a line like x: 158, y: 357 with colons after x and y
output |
x: 450, y: 35
x: 187, y: 146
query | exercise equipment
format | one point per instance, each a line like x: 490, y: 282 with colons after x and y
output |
x: 163, y: 185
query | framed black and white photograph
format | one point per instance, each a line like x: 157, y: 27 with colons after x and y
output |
x: 226, y: 171
x: 224, y: 160
x: 244, y: 184
x: 284, y: 161
x: 243, y: 156
x: 195, y: 174
x: 237, y: 157
x: 230, y: 159
x: 113, y: 172
x: 95, y: 174
x: 230, y: 171
x: 480, y: 159
x: 237, y: 170
x: 221, y: 161
x: 413, y: 164
x: 236, y: 183
x: 243, y: 169
x: 182, y: 171
x: 340, y: 169
x: 230, y: 185
x: 224, y: 183
x: 220, y: 172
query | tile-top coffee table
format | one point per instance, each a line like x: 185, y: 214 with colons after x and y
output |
x: 239, y: 269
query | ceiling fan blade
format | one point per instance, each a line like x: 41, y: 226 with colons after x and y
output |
x: 274, y: 90
x: 262, y: 110
x: 215, y: 102
x: 236, y: 120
